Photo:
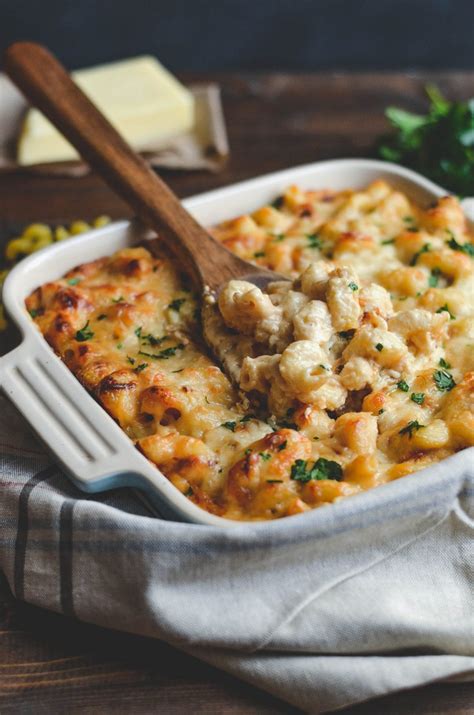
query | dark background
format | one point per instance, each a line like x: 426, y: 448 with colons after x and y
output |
x: 293, y: 35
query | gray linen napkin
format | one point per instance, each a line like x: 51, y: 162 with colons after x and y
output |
x: 324, y: 610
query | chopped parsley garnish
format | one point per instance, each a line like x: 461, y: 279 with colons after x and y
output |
x: 152, y: 340
x: 34, y: 313
x: 84, y: 333
x: 277, y: 237
x: 229, y: 425
x: 403, y: 386
x: 131, y: 360
x: 164, y: 354
x: 444, y: 380
x: 353, y: 286
x: 381, y: 411
x: 418, y: 397
x: 138, y: 331
x: 467, y: 248
x: 433, y: 280
x: 102, y: 316
x: 176, y: 304
x: 321, y: 469
x: 141, y: 367
x: 408, y: 219
x: 120, y: 299
x: 426, y: 248
x: 412, y: 426
x: 247, y: 418
x: 444, y: 309
x: 189, y: 492
x: 323, y: 367
x: 119, y: 346
x: 443, y: 363
x: 388, y: 242
x: 265, y: 456
x: 282, y: 446
x: 247, y: 451
x: 314, y: 241
x: 274, y: 481
x: 259, y: 254
x: 74, y: 281
x: 379, y: 347
x: 278, y: 202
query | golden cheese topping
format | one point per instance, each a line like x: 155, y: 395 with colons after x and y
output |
x: 356, y: 372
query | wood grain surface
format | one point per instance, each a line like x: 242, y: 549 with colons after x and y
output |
x: 49, y: 664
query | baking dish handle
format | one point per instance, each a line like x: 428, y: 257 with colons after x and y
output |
x: 90, y: 447
x: 83, y: 438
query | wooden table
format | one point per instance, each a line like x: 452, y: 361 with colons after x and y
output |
x: 49, y: 664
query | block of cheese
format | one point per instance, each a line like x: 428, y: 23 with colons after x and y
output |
x: 139, y: 97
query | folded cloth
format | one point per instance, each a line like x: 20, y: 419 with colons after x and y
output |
x: 326, y: 609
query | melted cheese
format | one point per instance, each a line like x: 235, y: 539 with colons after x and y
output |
x: 365, y: 384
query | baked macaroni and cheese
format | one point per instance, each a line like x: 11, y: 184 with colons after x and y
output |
x: 354, y: 372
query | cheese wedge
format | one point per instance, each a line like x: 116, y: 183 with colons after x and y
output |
x: 139, y: 97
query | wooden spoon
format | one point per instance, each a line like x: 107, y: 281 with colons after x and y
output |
x: 47, y: 85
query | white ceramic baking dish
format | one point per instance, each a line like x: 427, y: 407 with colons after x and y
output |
x: 89, y: 445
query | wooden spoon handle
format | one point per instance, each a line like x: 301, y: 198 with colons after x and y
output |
x: 48, y: 86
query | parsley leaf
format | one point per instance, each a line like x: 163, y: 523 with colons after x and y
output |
x: 439, y: 144
x: 229, y: 425
x: 426, y: 248
x: 151, y: 339
x: 102, y: 316
x: 412, y: 426
x: 141, y: 367
x: 388, y: 242
x: 282, y: 446
x: 164, y: 354
x: 443, y: 363
x: 120, y: 299
x: 314, y: 241
x: 467, y: 248
x: 84, y: 333
x: 274, y: 481
x: 74, y: 281
x: 265, y: 456
x: 353, y: 286
x: 418, y: 397
x: 379, y: 347
x: 403, y: 386
x: 444, y: 309
x: 321, y: 469
x: 434, y: 277
x: 444, y: 380
x: 259, y: 254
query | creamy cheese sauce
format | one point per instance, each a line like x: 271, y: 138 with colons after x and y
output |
x: 356, y: 372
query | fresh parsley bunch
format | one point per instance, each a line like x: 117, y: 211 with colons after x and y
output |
x: 439, y: 145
